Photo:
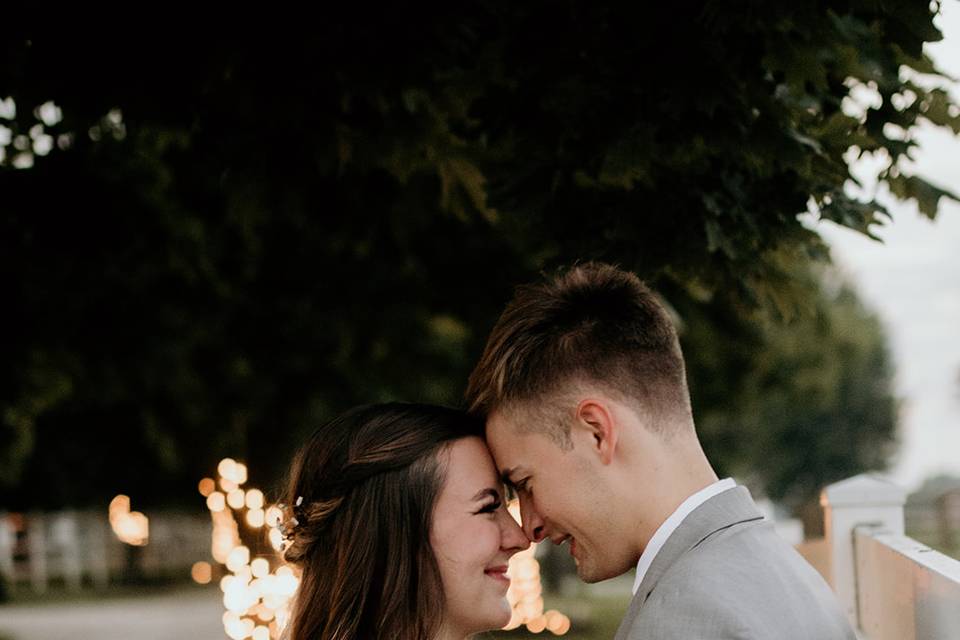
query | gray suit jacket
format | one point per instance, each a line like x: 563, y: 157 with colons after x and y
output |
x: 725, y: 574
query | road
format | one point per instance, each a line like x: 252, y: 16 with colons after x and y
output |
x: 193, y: 613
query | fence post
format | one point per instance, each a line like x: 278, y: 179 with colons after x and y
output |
x: 64, y: 538
x: 864, y: 500
x: 7, y: 540
x: 37, y: 550
x: 6, y: 546
x: 96, y: 538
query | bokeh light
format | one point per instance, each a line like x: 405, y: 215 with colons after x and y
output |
x: 201, y: 572
x: 273, y: 516
x: 260, y: 568
x: 254, y: 499
x: 216, y: 501
x: 227, y: 468
x: 130, y: 527
x: 235, y: 499
x: 256, y: 599
x: 255, y: 518
x: 525, y: 592
x: 206, y: 486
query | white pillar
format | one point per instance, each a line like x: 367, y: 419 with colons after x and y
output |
x: 862, y: 501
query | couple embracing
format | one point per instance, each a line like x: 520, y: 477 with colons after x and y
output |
x: 579, y: 404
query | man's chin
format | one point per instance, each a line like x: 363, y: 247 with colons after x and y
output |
x: 591, y: 575
x: 586, y: 574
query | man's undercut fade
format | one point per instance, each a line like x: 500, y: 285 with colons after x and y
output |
x: 593, y: 324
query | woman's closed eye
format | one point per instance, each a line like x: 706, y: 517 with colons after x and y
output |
x: 492, y: 502
x: 491, y: 507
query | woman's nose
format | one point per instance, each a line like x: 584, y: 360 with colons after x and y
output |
x: 512, y: 537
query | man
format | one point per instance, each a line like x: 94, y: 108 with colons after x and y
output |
x: 583, y: 388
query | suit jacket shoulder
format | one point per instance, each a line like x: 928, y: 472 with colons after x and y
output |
x: 724, y: 573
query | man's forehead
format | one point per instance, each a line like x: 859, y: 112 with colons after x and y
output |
x: 504, y: 443
x: 505, y: 439
x: 505, y: 422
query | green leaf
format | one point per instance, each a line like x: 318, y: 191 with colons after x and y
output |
x: 916, y: 188
x: 936, y: 106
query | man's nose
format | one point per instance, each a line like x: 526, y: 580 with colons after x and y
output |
x: 531, y: 522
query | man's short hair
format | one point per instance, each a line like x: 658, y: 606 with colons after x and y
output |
x: 593, y: 324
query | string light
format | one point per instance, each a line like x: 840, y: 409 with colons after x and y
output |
x: 525, y: 592
x: 216, y: 501
x: 255, y: 518
x: 206, y: 486
x: 254, y: 499
x: 256, y: 598
x: 235, y: 499
x: 201, y: 572
x: 131, y: 527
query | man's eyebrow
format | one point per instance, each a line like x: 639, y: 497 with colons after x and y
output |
x: 506, y: 474
x: 483, y: 493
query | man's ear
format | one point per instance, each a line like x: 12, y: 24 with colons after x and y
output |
x: 597, y: 418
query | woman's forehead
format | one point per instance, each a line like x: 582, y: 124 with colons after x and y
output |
x: 470, y: 468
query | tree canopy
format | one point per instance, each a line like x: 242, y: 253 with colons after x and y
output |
x: 791, y: 406
x: 213, y: 243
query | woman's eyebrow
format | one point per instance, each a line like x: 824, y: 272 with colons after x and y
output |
x: 483, y: 493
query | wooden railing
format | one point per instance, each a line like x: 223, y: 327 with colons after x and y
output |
x: 891, y: 586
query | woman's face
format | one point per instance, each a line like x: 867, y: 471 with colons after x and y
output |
x: 473, y: 537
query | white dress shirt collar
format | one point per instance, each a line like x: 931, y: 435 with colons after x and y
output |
x: 670, y: 525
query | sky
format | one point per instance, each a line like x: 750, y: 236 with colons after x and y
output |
x: 912, y: 281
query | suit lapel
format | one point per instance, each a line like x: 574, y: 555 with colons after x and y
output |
x: 723, y: 510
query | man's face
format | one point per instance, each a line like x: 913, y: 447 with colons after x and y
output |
x: 561, y: 492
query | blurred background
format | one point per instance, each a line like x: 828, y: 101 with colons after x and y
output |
x: 211, y: 245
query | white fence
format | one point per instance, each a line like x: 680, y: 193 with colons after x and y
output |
x: 77, y: 548
x: 891, y: 586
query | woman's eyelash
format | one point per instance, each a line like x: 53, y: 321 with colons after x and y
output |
x: 491, y: 507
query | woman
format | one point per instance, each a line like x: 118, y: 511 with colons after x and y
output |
x: 399, y: 528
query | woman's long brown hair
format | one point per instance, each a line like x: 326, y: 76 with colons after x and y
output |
x: 369, y: 480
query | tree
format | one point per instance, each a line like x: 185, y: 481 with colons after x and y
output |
x: 811, y: 401
x: 193, y: 262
